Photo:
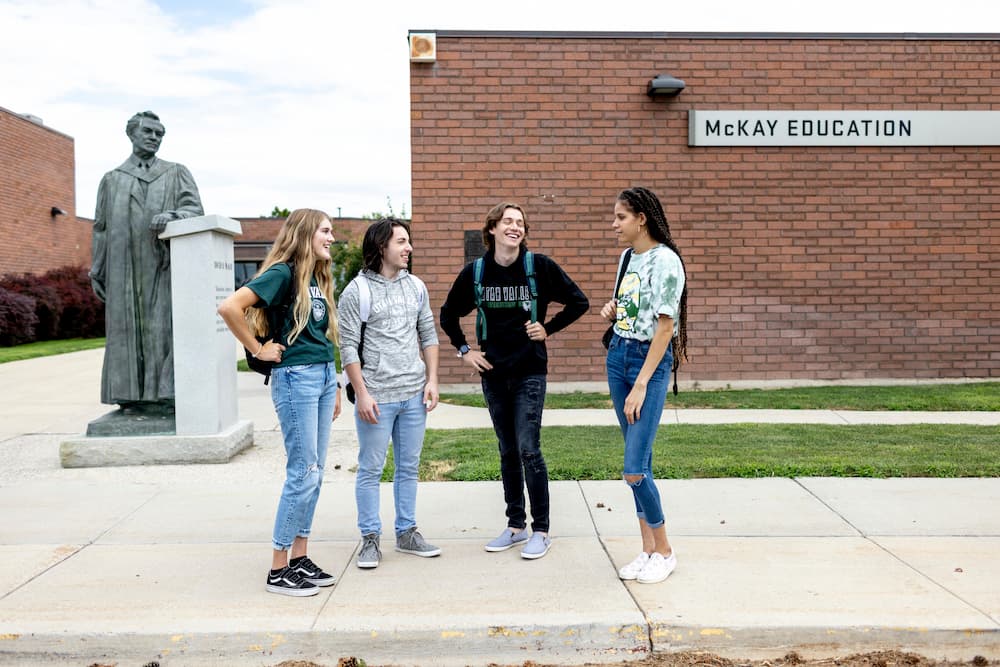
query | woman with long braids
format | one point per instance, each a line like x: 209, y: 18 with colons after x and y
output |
x: 295, y: 281
x: 650, y: 335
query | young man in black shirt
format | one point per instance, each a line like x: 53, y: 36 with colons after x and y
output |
x: 510, y: 290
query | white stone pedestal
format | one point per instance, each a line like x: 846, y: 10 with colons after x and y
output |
x: 201, y: 276
x: 208, y: 429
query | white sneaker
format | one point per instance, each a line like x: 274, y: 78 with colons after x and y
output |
x: 632, y: 570
x: 657, y: 568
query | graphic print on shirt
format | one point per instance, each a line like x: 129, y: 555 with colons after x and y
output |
x: 395, y: 309
x: 628, y: 302
x: 318, y: 303
x: 507, y: 296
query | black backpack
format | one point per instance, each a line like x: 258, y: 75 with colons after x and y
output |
x: 276, y: 316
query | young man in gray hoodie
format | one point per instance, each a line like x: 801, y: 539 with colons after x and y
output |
x: 394, y: 388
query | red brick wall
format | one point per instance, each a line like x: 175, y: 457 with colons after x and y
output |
x: 37, y: 173
x: 803, y: 262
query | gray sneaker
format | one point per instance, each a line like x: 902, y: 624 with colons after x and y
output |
x: 412, y: 542
x: 536, y: 547
x: 370, y: 554
x: 507, y: 539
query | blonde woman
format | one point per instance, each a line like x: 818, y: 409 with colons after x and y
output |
x: 296, y: 274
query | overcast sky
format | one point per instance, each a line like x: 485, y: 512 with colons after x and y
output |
x: 305, y: 103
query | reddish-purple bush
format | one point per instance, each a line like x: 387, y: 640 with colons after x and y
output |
x: 48, y: 303
x: 17, y: 318
x: 83, y: 313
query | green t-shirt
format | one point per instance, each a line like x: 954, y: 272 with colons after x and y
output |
x: 312, y: 346
x: 651, y: 287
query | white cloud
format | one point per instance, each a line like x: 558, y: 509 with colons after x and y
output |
x: 305, y: 102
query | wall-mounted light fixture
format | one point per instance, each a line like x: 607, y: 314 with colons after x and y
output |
x: 423, y: 47
x: 664, y: 85
x: 57, y: 211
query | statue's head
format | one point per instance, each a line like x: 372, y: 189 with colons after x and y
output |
x: 146, y: 132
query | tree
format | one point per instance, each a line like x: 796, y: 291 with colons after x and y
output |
x: 375, y: 215
x: 347, y: 263
x: 279, y: 213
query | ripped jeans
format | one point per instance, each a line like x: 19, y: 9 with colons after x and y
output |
x: 303, y: 398
x: 625, y: 359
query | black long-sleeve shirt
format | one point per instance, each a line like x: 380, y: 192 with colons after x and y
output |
x: 506, y: 302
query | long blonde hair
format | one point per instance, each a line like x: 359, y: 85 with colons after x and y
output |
x: 294, y: 246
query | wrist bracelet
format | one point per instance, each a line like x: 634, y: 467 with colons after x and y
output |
x: 259, y: 350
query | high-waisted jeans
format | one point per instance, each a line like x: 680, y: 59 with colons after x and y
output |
x: 625, y: 359
x: 304, y: 398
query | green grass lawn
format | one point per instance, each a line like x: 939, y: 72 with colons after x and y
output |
x: 976, y: 396
x: 47, y: 348
x: 732, y: 450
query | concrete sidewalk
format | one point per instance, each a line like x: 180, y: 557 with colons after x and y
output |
x: 166, y: 563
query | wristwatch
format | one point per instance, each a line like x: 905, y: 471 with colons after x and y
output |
x: 462, y: 351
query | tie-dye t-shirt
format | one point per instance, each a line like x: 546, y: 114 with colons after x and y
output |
x: 651, y: 287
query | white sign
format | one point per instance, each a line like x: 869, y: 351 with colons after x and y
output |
x: 843, y: 128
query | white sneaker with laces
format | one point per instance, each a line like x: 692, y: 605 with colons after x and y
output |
x: 632, y: 570
x: 657, y: 568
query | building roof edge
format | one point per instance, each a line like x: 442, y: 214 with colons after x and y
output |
x: 570, y: 34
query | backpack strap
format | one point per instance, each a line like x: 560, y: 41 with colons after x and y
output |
x: 622, y: 266
x: 529, y: 271
x: 477, y: 288
x: 364, y: 297
x: 364, y: 310
x: 278, y: 314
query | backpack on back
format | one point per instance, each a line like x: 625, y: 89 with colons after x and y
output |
x: 276, y: 316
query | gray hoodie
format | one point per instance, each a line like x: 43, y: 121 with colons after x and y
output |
x: 400, y: 324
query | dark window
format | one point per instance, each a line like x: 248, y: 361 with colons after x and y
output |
x: 243, y: 272
x: 474, y: 246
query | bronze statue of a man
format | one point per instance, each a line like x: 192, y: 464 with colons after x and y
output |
x: 131, y: 269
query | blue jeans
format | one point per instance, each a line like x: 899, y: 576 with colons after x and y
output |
x: 625, y: 359
x: 515, y: 405
x: 303, y: 398
x: 404, y: 422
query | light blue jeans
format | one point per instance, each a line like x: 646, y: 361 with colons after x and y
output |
x: 304, y: 397
x: 625, y: 359
x: 404, y: 422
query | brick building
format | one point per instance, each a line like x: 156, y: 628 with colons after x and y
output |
x: 817, y: 262
x: 39, y: 229
x: 252, y: 246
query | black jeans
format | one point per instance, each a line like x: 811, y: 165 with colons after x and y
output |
x: 515, y: 405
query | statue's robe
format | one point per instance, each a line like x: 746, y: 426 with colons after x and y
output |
x: 132, y: 267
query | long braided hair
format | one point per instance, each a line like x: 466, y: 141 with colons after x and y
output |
x: 642, y: 200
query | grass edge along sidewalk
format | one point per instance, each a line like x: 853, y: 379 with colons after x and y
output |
x: 961, y: 397
x: 48, y: 348
x: 686, y: 451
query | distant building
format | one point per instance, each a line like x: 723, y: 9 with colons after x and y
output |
x: 39, y: 229
x: 252, y: 246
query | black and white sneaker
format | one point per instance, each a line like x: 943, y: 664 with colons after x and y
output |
x: 311, y: 572
x: 287, y: 581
